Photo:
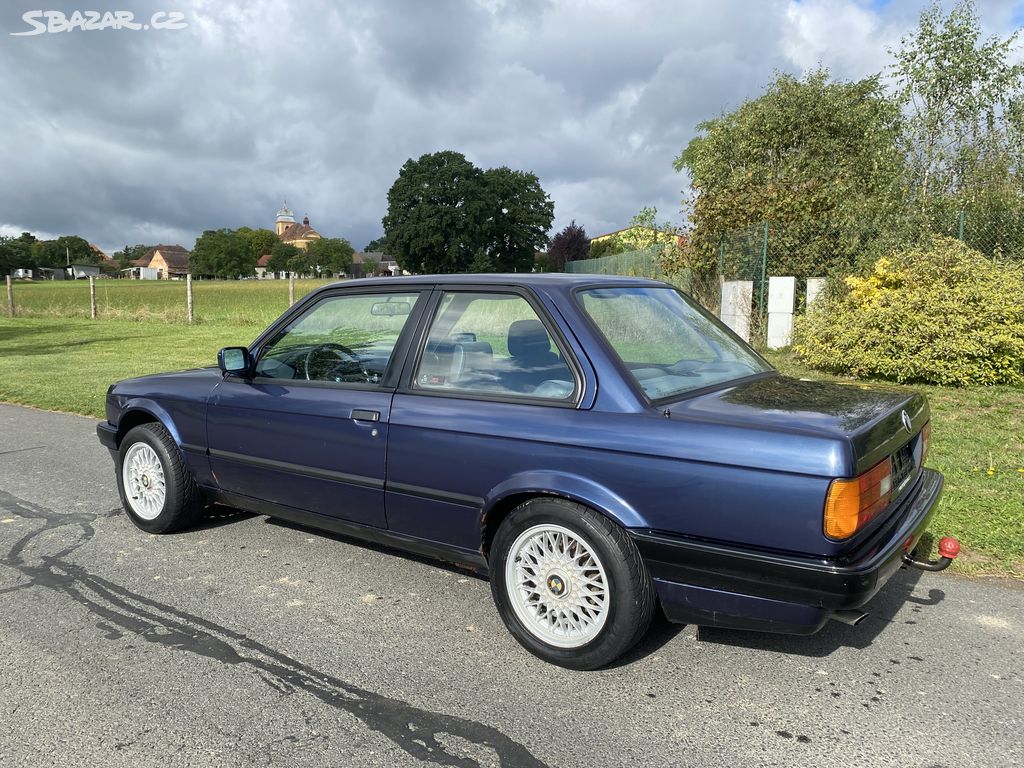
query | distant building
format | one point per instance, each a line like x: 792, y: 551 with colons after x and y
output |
x: 293, y: 233
x: 78, y: 271
x: 370, y: 263
x: 161, y: 262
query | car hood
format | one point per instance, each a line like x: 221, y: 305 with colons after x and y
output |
x: 178, y: 385
x: 867, y: 417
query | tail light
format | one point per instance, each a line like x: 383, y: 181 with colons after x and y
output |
x: 926, y: 439
x: 852, y: 504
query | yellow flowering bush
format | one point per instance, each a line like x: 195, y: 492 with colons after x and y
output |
x: 943, y: 314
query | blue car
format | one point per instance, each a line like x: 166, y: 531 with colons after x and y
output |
x: 602, y: 447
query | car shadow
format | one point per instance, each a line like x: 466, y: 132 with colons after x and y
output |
x: 882, y: 610
x: 216, y: 515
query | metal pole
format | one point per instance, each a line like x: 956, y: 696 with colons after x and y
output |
x: 291, y: 288
x: 764, y: 268
x: 188, y: 294
x: 962, y: 224
x: 92, y: 297
x: 721, y: 256
x: 10, y: 297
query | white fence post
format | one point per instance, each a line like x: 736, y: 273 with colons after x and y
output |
x: 781, y: 301
x: 188, y: 299
x: 737, y: 300
x: 10, y: 297
x: 291, y: 288
x: 92, y: 297
x: 815, y: 285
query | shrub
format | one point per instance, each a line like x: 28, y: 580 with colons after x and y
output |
x: 942, y: 314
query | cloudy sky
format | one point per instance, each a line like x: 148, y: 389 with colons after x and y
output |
x: 155, y: 135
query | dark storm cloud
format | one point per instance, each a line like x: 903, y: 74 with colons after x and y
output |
x: 152, y: 136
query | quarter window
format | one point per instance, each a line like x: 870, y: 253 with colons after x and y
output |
x: 492, y: 343
x: 347, y: 339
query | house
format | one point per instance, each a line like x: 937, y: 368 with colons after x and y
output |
x: 79, y: 271
x: 161, y: 262
x: 370, y: 263
x: 263, y: 271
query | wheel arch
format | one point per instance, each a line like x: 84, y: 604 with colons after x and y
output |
x: 145, y: 412
x: 557, y: 485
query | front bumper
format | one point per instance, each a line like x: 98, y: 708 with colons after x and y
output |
x: 107, y: 435
x: 719, y: 585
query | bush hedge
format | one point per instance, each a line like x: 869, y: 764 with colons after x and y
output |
x: 942, y: 314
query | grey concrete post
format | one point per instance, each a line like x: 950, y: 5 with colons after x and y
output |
x: 737, y: 300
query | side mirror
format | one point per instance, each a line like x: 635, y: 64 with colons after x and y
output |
x: 234, y: 361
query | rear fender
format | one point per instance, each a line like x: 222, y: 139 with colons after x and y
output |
x: 566, y: 485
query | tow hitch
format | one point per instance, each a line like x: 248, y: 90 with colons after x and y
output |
x: 949, y: 548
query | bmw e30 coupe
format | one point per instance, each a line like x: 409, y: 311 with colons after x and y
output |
x: 601, y: 447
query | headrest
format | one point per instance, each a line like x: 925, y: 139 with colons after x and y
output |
x: 527, y: 337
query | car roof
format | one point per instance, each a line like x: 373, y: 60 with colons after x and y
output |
x: 545, y: 279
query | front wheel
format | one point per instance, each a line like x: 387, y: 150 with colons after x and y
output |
x: 156, y: 488
x: 569, y: 584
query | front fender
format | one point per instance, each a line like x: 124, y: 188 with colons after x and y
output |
x: 567, y: 485
x: 152, y: 408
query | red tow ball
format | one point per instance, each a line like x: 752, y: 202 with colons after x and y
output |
x: 949, y: 548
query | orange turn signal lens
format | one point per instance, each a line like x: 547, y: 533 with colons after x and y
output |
x: 852, y: 504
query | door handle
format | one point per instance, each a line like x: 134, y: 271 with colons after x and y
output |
x: 360, y: 415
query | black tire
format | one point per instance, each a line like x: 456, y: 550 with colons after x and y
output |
x: 631, y: 593
x: 183, y: 501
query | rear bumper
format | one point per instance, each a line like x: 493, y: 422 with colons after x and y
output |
x: 107, y: 435
x: 719, y: 585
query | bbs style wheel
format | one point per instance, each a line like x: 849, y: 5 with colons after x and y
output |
x: 156, y: 488
x: 569, y: 583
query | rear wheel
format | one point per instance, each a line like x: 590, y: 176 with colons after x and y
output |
x: 156, y: 488
x: 569, y: 584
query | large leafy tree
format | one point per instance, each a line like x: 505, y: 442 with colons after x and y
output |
x: 437, y: 213
x: 222, y: 253
x: 571, y: 244
x: 124, y: 258
x: 963, y: 97
x: 808, y: 150
x: 285, y: 257
x: 329, y: 254
x: 259, y: 241
x: 446, y: 215
x: 16, y: 252
x: 66, y: 249
x: 377, y: 245
x: 520, y: 217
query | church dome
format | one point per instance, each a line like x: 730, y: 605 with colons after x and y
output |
x: 285, y: 214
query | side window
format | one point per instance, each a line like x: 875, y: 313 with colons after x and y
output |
x: 492, y: 343
x: 342, y: 339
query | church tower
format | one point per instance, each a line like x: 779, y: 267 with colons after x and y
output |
x: 285, y: 218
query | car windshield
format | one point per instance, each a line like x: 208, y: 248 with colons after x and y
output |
x: 667, y: 343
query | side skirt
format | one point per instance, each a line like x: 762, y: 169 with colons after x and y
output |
x: 473, y: 561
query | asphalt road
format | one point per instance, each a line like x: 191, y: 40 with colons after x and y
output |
x: 250, y: 642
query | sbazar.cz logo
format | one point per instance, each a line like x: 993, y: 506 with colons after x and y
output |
x: 42, y: 22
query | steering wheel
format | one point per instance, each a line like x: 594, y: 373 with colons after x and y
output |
x: 325, y: 358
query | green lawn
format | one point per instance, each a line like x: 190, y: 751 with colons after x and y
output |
x: 66, y: 364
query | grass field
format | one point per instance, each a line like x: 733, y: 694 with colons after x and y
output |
x: 66, y: 364
x: 231, y: 302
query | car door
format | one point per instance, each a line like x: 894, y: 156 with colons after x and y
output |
x: 309, y: 429
x: 492, y: 392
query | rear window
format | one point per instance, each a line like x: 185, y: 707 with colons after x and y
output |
x: 667, y: 343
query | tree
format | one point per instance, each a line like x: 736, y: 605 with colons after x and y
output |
x: 812, y: 151
x: 259, y: 241
x: 446, y: 215
x: 964, y: 106
x: 377, y: 245
x: 66, y: 249
x: 222, y: 253
x: 285, y: 257
x: 520, y: 217
x: 437, y: 212
x: 329, y: 254
x: 571, y: 244
x: 16, y: 252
